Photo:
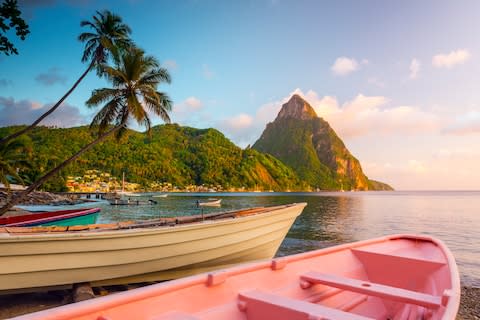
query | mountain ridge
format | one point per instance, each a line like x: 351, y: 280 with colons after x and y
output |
x: 310, y: 146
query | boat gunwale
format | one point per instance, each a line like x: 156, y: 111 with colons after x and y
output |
x: 138, y: 231
x: 97, y: 305
x: 57, y: 215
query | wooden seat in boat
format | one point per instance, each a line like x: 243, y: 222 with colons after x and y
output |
x: 370, y: 288
x: 260, y: 305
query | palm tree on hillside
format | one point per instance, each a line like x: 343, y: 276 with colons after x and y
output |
x: 109, y: 33
x: 134, y: 95
x: 13, y: 155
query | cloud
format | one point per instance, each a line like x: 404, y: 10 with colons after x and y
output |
x: 414, y: 68
x: 5, y: 83
x: 26, y: 111
x: 239, y: 128
x: 451, y: 59
x: 187, y: 109
x: 239, y: 122
x: 51, y: 77
x: 361, y: 116
x: 364, y: 115
x: 207, y: 72
x: 170, y: 64
x: 464, y: 124
x: 189, y: 104
x: 343, y: 66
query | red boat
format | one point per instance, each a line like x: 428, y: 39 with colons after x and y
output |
x: 400, y: 277
x: 53, y: 218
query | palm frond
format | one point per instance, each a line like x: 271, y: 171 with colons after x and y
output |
x: 99, y: 96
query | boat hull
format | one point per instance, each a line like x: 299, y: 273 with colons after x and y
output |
x: 53, y: 218
x: 396, y: 277
x: 138, y: 255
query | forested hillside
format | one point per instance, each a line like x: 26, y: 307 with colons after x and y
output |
x: 178, y: 155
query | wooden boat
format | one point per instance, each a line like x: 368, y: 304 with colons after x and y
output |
x: 130, y: 252
x: 210, y: 203
x: 53, y: 218
x: 398, y: 277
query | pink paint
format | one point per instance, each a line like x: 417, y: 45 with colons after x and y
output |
x: 395, y: 277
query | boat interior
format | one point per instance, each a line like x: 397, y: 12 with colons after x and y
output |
x: 412, y: 281
x: 158, y: 222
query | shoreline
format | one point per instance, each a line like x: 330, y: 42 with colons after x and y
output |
x: 18, y: 304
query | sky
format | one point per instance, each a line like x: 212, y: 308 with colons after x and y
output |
x: 399, y: 81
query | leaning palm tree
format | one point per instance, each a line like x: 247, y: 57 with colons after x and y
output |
x: 134, y: 95
x: 109, y: 33
x: 13, y: 155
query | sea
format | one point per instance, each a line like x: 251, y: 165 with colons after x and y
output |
x: 333, y: 218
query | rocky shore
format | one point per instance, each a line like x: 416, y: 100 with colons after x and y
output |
x: 469, y: 304
x: 40, y: 198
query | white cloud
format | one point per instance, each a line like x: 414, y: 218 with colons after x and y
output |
x: 360, y: 116
x: 239, y: 122
x: 187, y: 110
x: 26, y: 111
x: 451, y: 59
x: 343, y: 66
x: 240, y: 128
x: 193, y: 103
x: 464, y: 124
x: 207, y: 72
x: 414, y: 68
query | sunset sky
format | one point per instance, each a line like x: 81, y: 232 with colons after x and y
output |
x: 399, y: 81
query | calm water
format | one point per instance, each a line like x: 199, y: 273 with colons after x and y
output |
x: 334, y: 218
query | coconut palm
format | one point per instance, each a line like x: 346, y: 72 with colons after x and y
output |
x: 109, y: 33
x: 134, y: 95
x: 13, y: 155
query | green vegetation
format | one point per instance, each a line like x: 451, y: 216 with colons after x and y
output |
x: 10, y: 17
x: 286, y: 140
x: 134, y: 77
x: 13, y: 155
x: 313, y: 150
x: 179, y: 155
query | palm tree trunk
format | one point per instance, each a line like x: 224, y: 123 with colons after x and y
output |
x: 18, y: 198
x: 53, y: 108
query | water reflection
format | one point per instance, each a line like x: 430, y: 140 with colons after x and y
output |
x: 334, y: 218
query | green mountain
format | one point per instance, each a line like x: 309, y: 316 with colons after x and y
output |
x: 307, y: 143
x: 178, y: 155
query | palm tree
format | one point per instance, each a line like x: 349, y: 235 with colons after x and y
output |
x: 134, y: 94
x: 13, y: 155
x: 109, y: 33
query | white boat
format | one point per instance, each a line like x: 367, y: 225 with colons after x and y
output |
x: 164, y: 195
x: 130, y: 252
x: 210, y: 203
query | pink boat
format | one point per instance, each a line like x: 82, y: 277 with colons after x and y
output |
x: 400, y: 277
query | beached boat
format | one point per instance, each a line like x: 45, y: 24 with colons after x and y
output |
x: 210, y: 203
x: 398, y: 277
x: 53, y: 218
x: 129, y: 252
